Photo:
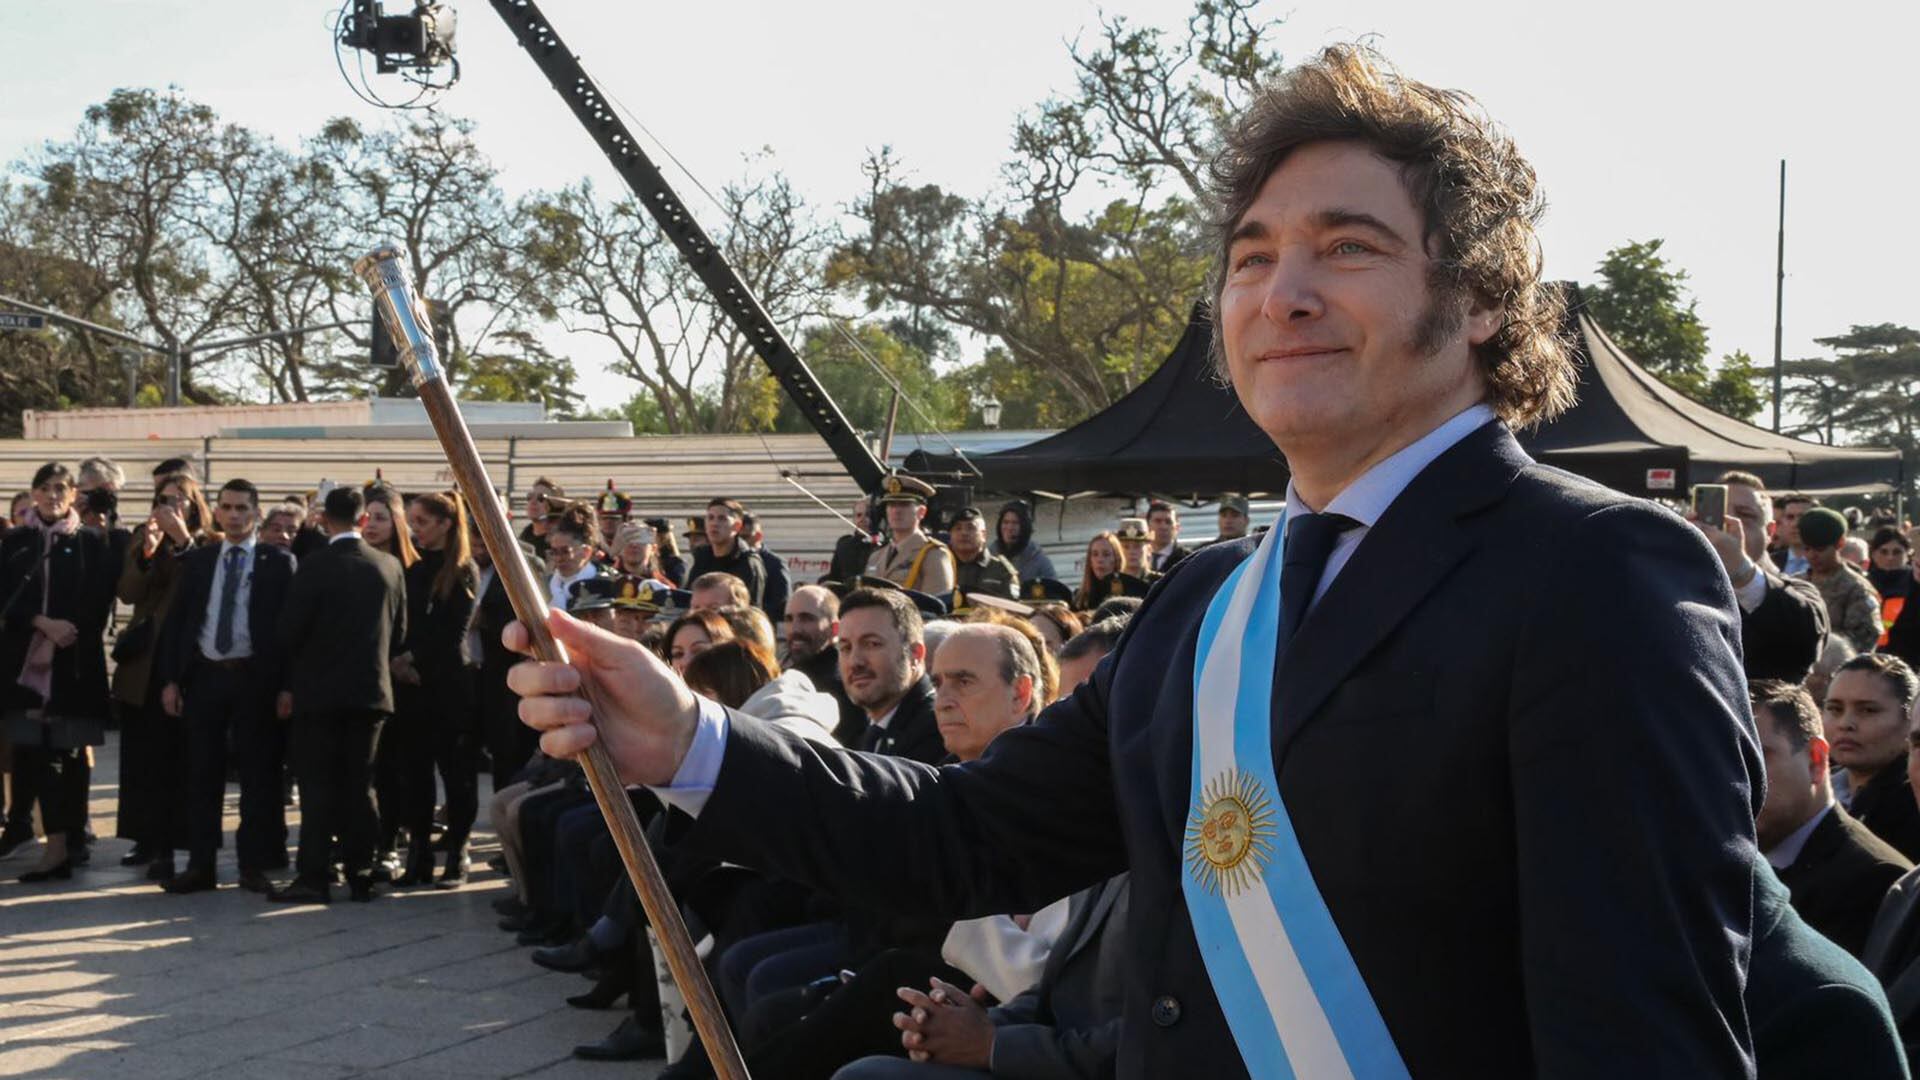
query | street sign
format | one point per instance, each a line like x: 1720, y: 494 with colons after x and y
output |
x: 20, y: 320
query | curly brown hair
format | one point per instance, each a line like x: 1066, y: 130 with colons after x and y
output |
x: 1478, y: 197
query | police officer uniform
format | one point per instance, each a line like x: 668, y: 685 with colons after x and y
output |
x: 920, y: 562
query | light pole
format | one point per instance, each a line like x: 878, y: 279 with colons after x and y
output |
x: 176, y: 354
x: 990, y: 412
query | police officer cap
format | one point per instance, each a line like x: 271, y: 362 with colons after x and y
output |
x: 1236, y: 502
x: 592, y: 594
x: 1039, y: 589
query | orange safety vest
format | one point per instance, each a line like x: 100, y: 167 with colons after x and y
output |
x: 1889, y: 611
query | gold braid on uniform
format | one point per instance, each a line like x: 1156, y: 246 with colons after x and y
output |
x: 913, y: 572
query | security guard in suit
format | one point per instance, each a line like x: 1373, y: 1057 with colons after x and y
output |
x: 910, y: 558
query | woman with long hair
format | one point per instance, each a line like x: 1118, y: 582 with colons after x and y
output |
x: 384, y: 528
x: 435, y: 723
x: 56, y: 583
x: 1102, y: 566
x: 694, y: 633
x: 153, y: 760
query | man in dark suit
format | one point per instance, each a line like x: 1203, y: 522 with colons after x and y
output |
x: 883, y: 665
x: 1548, y: 866
x: 346, y: 619
x: 221, y: 668
x: 508, y: 742
x: 1165, y: 549
x: 1835, y: 867
x: 1783, y: 620
x: 1065, y: 1028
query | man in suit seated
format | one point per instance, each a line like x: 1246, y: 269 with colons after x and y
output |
x: 222, y: 669
x: 1783, y: 620
x: 883, y: 665
x: 1065, y: 1028
x: 345, y: 620
x: 1837, y: 870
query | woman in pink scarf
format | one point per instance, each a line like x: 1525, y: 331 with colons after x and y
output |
x: 57, y: 579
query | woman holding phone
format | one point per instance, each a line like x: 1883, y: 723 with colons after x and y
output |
x: 153, y: 745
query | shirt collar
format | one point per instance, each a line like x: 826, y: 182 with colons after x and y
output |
x: 1368, y: 497
x: 246, y: 545
x: 350, y: 534
x: 1783, y: 854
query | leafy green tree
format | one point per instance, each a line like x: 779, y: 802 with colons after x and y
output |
x: 602, y: 266
x: 527, y: 371
x: 1082, y: 269
x: 1864, y: 394
x: 847, y: 370
x: 1734, y: 387
x: 130, y: 196
x: 1642, y: 303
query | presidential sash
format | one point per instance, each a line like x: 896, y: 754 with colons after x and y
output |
x: 1293, y: 998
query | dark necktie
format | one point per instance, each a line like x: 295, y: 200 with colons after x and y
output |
x: 229, y: 592
x: 1310, y: 539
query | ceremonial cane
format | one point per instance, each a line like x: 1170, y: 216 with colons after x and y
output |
x: 385, y: 271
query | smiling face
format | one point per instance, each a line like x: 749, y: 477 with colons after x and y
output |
x: 688, y: 642
x: 1333, y: 339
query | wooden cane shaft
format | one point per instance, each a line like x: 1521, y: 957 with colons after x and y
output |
x: 529, y: 600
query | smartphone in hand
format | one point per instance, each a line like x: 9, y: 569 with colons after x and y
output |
x: 1710, y: 504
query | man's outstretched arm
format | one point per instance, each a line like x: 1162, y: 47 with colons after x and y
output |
x: 1031, y: 821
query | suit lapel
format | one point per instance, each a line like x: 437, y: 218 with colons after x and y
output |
x: 1409, y: 551
x: 1890, y: 930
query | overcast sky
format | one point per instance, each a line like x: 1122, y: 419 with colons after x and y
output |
x: 1643, y: 119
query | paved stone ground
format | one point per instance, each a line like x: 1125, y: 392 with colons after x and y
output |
x: 107, y: 976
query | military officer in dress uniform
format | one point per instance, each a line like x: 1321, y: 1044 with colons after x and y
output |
x: 910, y: 558
x: 635, y: 602
x: 611, y: 510
x: 1135, y: 543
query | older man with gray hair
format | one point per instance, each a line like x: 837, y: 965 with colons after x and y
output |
x: 986, y: 679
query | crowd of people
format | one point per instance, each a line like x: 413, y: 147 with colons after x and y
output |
x: 340, y: 651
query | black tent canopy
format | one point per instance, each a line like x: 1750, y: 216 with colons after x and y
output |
x: 1181, y: 432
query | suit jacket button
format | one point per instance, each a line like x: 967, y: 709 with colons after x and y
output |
x: 1166, y: 1010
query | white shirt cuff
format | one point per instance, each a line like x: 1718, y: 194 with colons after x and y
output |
x: 700, y: 769
x: 1753, y: 592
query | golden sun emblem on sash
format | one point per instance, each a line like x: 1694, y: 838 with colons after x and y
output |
x: 1229, y: 833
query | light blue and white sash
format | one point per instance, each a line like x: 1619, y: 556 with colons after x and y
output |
x: 1293, y: 998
